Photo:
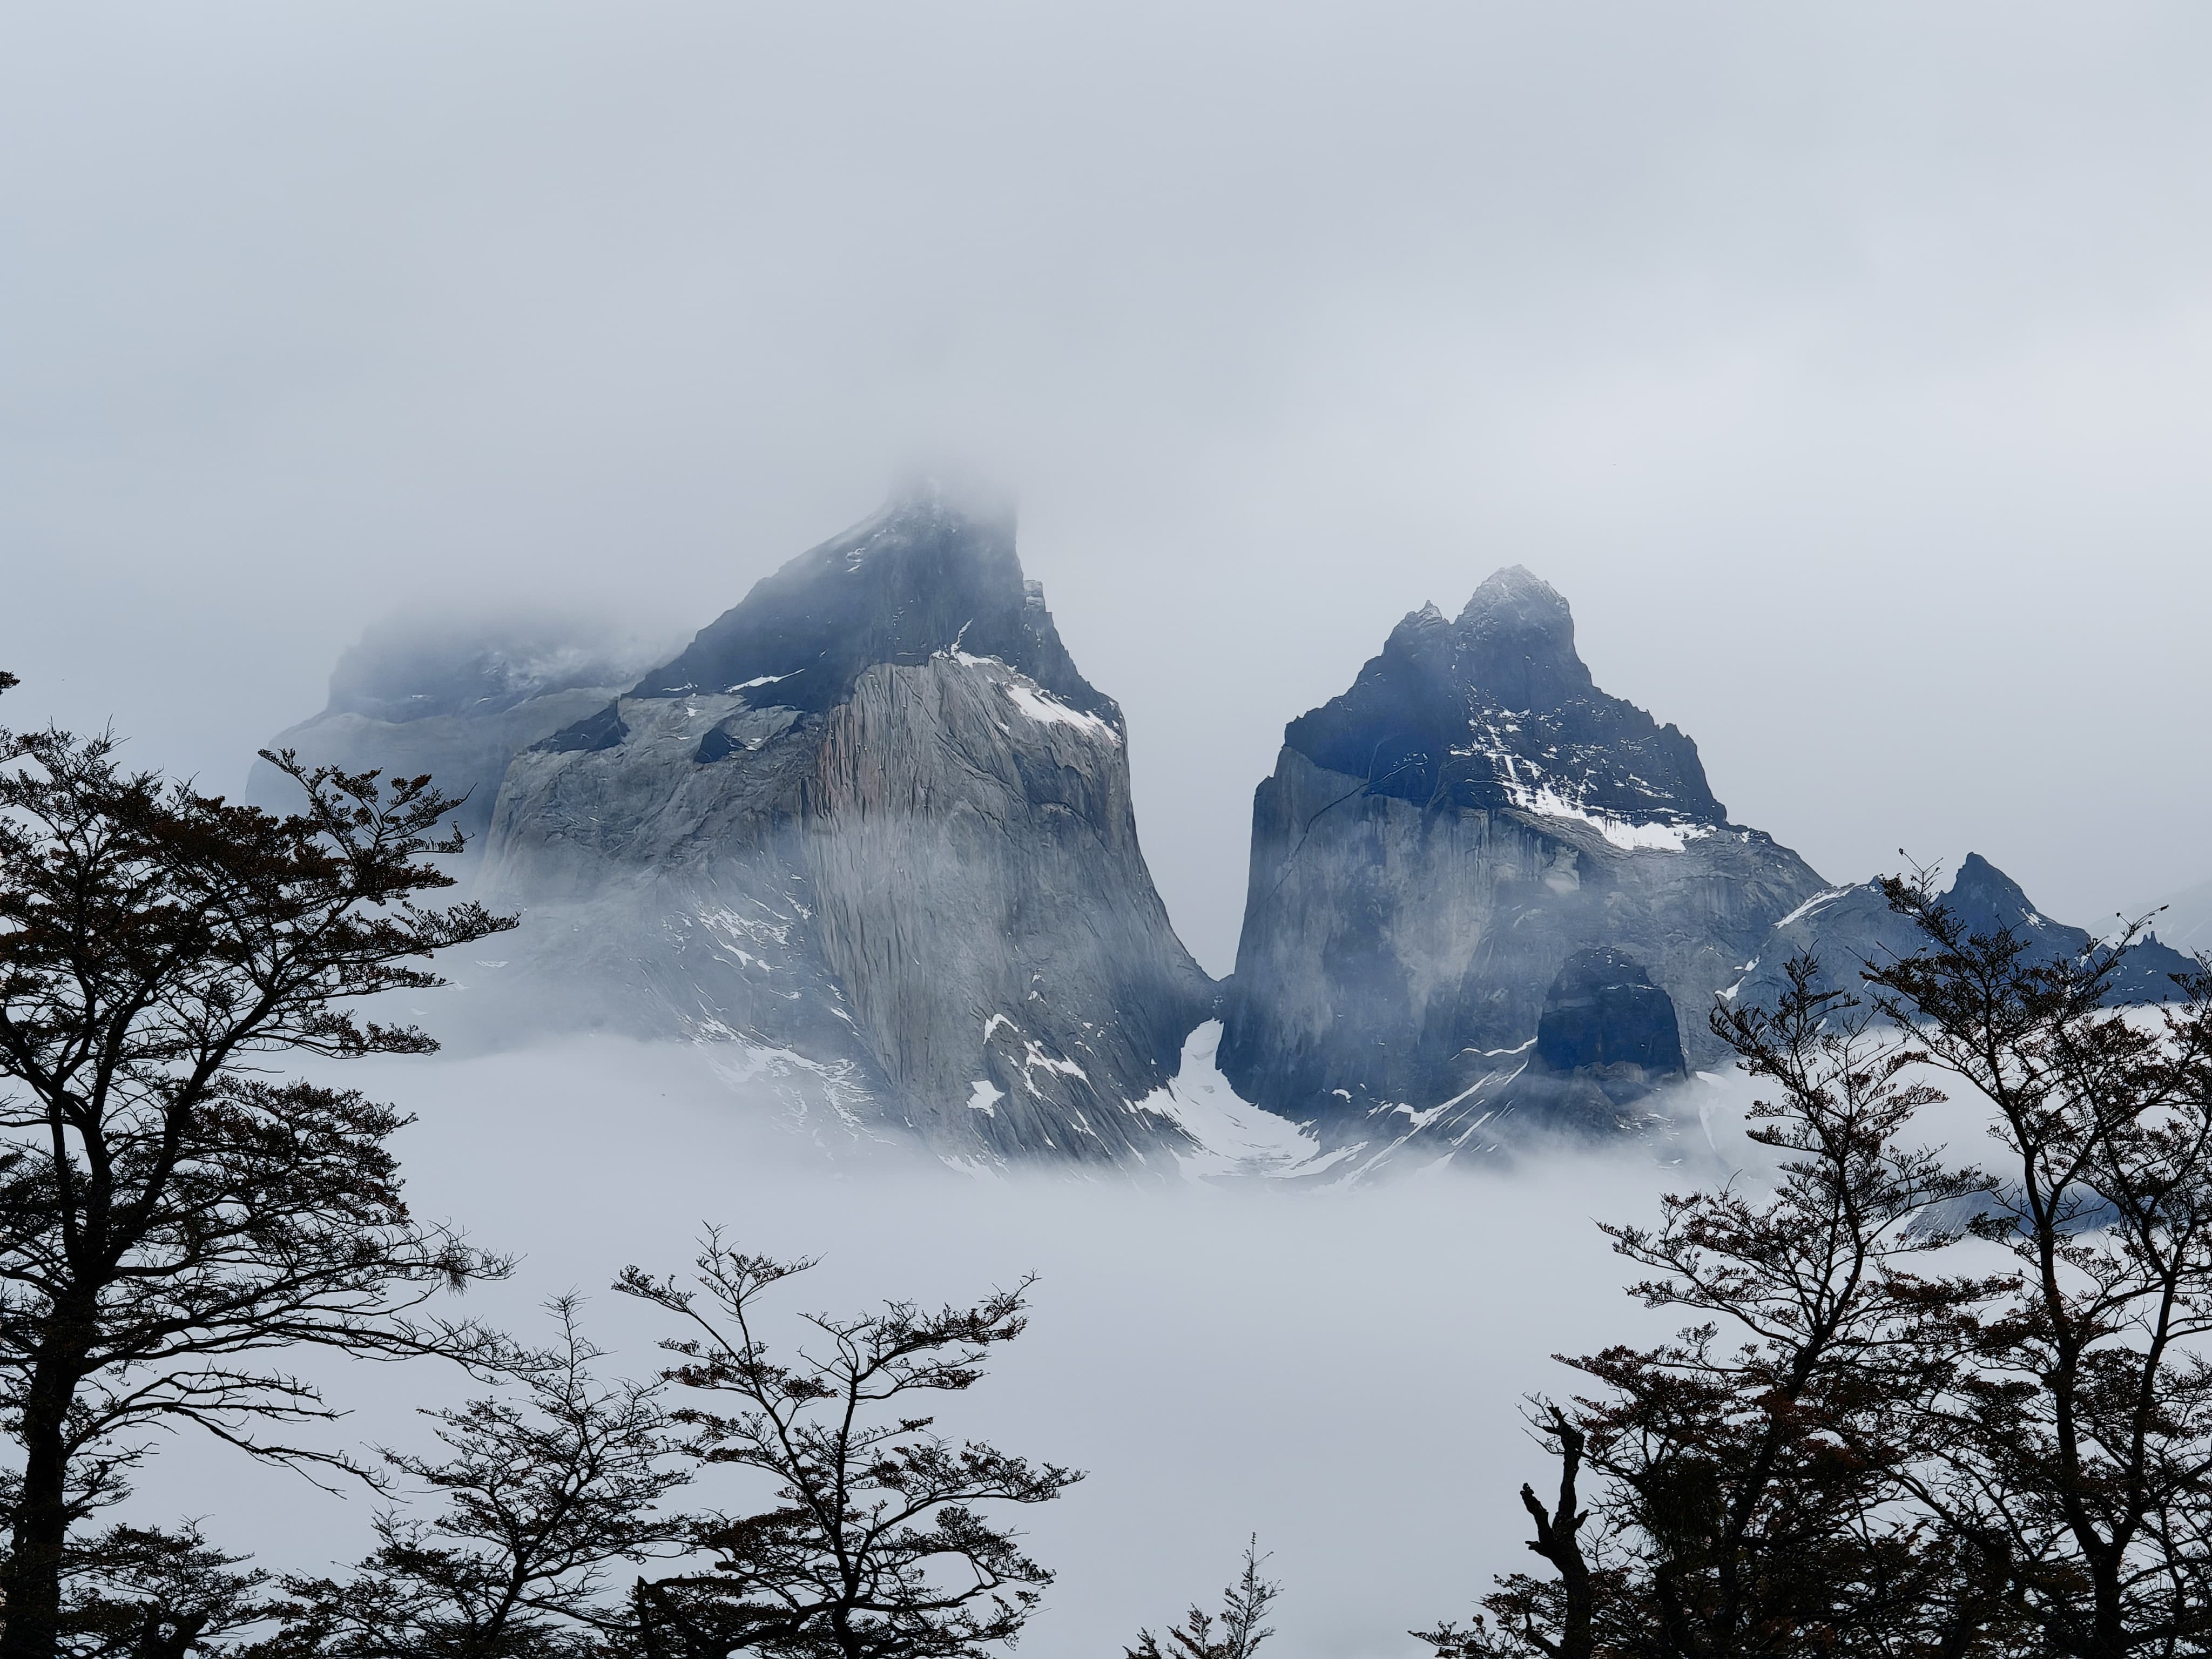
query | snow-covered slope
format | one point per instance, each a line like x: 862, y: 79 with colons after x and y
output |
x: 1229, y: 1137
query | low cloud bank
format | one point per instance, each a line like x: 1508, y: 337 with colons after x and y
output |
x: 1337, y: 1371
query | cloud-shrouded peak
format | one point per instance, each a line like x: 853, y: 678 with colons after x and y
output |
x: 934, y: 570
x: 946, y: 491
x: 414, y: 664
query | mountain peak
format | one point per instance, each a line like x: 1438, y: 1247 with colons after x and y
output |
x: 1516, y: 592
x: 1975, y: 871
x: 1986, y: 899
x: 1517, y: 641
x: 1425, y: 629
x: 945, y: 493
x: 1495, y: 710
x: 933, y: 571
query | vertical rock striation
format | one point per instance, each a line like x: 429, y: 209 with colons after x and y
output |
x: 1437, y: 842
x: 872, y: 828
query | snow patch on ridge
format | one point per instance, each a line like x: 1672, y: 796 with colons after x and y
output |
x: 1050, y: 711
x: 1032, y: 699
x: 1541, y: 795
x: 1824, y: 897
x: 1630, y: 836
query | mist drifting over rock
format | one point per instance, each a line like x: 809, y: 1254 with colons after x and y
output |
x: 872, y: 828
x: 455, y: 697
x: 869, y: 837
x: 1435, y: 846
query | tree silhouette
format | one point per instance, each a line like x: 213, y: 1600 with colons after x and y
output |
x: 881, y: 1541
x: 2077, y: 1441
x: 543, y: 1496
x: 1235, y: 1634
x: 171, y: 1215
x: 1746, y: 1474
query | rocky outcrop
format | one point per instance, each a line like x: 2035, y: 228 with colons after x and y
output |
x: 1607, y: 1040
x: 1437, y: 844
x: 1842, y: 930
x: 453, y: 698
x: 2185, y: 921
x: 872, y: 831
x: 1605, y: 1019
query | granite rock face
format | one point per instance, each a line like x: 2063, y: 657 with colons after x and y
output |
x: 1607, y: 1038
x: 1603, y: 1015
x: 1433, y: 849
x: 454, y: 699
x: 872, y: 830
x: 1845, y: 929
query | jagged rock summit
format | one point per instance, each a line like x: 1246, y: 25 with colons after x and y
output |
x: 1844, y: 930
x: 872, y: 830
x: 1495, y: 710
x: 935, y: 572
x: 1437, y: 843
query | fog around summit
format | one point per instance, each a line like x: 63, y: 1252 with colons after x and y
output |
x: 1844, y: 367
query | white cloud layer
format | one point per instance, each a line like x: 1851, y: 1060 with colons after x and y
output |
x: 1338, y: 1371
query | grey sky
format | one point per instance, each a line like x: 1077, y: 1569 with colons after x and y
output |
x: 1846, y: 367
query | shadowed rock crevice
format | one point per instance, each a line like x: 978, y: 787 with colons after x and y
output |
x: 1604, y: 1019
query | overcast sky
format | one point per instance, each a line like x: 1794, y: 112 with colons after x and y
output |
x: 1845, y: 366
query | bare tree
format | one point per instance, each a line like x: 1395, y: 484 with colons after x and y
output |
x: 168, y: 1212
x: 1747, y: 1471
x: 1556, y: 1618
x: 879, y: 1542
x: 2078, y: 1438
x: 543, y: 1495
x: 1235, y: 1635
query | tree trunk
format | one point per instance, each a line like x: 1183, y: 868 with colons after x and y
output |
x: 2112, y: 1638
x: 33, y: 1586
x: 1556, y: 1541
